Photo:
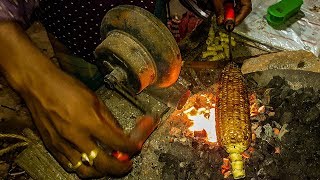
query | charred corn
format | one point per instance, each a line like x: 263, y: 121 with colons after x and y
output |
x: 233, y: 117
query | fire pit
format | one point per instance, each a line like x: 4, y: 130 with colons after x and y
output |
x: 285, y: 129
x: 284, y: 113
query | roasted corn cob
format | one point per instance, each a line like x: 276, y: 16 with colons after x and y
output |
x: 233, y: 117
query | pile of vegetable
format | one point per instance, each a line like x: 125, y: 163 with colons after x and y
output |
x: 217, y: 45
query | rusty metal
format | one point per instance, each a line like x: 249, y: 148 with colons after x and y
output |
x: 139, y: 53
x: 127, y: 53
x: 141, y: 33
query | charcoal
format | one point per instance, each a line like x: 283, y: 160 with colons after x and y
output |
x: 285, y: 92
x: 272, y: 171
x: 275, y: 101
x: 276, y: 82
x: 200, y: 134
x: 294, y: 167
x: 293, y: 100
x: 286, y: 118
x: 262, y: 173
x: 278, y: 113
x: 307, y: 101
x: 313, y: 114
x: 257, y: 156
x: 300, y: 91
x: 268, y: 161
x: 251, y: 171
x: 309, y: 91
x: 215, y: 156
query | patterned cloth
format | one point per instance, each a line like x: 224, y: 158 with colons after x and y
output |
x: 181, y: 27
x: 76, y: 23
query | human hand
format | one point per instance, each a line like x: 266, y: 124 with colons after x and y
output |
x: 71, y: 119
x: 243, y: 9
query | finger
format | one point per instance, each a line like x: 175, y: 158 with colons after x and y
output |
x: 143, y: 129
x: 219, y: 11
x: 107, y: 164
x: 48, y: 135
x: 65, y: 155
x: 74, y: 157
x: 110, y: 134
x: 63, y: 161
x: 62, y: 152
x: 245, y: 10
x: 114, y: 138
x: 103, y: 162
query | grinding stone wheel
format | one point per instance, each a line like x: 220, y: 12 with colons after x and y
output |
x: 139, y: 43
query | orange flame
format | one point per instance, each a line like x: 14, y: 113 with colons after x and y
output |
x: 203, y: 118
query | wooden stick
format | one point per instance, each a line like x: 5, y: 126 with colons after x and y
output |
x: 39, y: 163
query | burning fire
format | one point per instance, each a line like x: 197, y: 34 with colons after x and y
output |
x: 200, y: 110
x: 202, y: 115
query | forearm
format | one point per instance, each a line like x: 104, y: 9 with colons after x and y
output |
x: 21, y: 61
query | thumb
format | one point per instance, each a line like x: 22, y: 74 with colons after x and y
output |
x: 246, y: 8
x: 219, y: 11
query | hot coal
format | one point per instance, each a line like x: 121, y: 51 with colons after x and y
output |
x: 300, y: 151
x: 292, y: 154
x: 200, y: 134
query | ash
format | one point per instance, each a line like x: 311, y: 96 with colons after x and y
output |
x: 297, y: 116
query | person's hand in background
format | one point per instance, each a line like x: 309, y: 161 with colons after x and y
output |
x: 243, y: 9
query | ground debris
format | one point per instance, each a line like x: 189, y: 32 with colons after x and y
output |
x: 283, y: 131
x: 291, y: 133
x: 175, y: 132
x: 4, y: 168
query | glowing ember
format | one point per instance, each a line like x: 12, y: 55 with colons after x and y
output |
x: 202, y: 116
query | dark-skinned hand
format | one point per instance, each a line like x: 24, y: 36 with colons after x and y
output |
x: 71, y: 119
x: 243, y: 9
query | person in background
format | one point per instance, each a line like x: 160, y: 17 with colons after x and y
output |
x: 182, y: 24
x: 68, y: 115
